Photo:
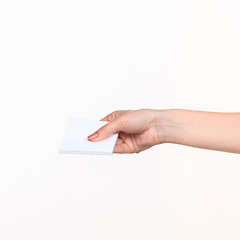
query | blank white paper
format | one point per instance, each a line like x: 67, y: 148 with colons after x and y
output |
x: 75, y: 139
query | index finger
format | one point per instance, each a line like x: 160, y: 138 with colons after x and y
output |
x: 110, y: 117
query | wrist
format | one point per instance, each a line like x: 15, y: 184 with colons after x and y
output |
x: 170, y: 125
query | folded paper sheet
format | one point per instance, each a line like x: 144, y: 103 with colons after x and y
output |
x: 75, y: 140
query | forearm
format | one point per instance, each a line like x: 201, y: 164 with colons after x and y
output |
x: 209, y: 130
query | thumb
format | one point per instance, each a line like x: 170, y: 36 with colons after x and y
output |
x: 106, y: 130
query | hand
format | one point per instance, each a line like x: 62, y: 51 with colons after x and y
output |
x: 144, y: 128
x: 138, y: 130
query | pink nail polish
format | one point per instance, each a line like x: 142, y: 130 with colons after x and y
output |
x: 92, y: 136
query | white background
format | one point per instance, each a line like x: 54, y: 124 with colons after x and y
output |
x: 88, y: 58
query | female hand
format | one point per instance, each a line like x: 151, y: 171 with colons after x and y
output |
x: 143, y: 128
x: 138, y: 130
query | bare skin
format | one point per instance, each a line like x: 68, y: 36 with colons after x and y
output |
x: 144, y: 128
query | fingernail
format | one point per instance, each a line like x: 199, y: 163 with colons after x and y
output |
x: 92, y: 136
